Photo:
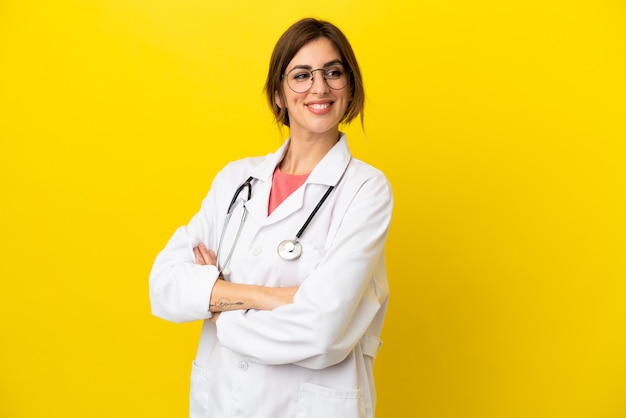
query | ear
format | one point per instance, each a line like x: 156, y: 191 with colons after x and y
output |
x: 277, y: 100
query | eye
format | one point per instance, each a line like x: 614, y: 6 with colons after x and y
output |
x: 300, y: 76
x: 334, y: 73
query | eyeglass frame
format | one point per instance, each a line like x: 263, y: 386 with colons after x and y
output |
x: 323, y: 69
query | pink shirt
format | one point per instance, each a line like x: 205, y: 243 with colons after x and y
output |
x: 282, y: 186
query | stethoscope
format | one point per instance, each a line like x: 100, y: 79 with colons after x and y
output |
x: 289, y: 249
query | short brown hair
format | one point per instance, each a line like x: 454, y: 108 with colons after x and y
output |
x: 294, y: 38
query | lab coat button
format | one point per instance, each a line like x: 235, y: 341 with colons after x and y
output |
x: 242, y: 366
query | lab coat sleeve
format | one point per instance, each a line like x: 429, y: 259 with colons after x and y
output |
x: 180, y: 290
x: 335, y: 305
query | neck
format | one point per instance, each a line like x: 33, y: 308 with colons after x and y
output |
x: 303, y: 154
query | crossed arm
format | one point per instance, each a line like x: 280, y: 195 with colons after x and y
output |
x: 227, y: 296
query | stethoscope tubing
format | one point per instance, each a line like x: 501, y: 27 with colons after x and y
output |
x: 246, y: 184
x: 288, y: 249
x: 224, y: 266
x: 229, y: 212
x: 319, y: 205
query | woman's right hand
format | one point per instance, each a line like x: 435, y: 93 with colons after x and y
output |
x: 204, y: 257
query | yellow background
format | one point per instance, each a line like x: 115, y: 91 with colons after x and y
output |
x: 500, y: 125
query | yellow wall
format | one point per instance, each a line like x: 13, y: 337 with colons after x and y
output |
x: 500, y: 125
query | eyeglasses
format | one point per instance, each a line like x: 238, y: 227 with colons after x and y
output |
x: 300, y: 80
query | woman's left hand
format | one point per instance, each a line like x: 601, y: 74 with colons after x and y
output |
x: 204, y: 257
x: 213, y: 318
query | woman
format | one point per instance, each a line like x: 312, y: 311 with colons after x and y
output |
x: 293, y: 287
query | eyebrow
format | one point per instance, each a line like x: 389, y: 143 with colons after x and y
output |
x: 308, y: 67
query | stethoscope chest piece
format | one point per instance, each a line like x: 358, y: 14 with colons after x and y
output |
x: 289, y: 249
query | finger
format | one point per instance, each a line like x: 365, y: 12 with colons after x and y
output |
x: 207, y: 258
x: 202, y: 257
x: 198, y: 256
x: 212, y: 258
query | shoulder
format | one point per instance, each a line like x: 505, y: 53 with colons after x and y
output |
x: 364, y: 189
x: 366, y: 175
x: 361, y: 168
x: 239, y: 170
x: 359, y: 172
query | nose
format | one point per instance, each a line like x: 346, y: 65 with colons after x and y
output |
x: 318, y: 82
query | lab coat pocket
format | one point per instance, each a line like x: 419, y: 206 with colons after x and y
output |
x: 317, y: 401
x: 199, y: 396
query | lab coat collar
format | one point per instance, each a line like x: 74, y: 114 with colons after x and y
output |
x: 328, y: 171
x: 331, y: 168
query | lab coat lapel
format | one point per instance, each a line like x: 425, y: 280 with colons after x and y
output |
x: 257, y: 206
x: 288, y: 206
x: 330, y: 169
x: 262, y: 184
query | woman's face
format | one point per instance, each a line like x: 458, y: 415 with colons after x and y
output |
x: 319, y: 110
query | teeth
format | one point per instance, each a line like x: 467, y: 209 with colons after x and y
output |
x: 319, y: 106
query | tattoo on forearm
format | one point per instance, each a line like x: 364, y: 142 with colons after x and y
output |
x: 224, y: 303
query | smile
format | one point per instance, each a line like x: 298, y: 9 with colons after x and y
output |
x: 319, y: 106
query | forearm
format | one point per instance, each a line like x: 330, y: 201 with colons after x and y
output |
x: 227, y: 296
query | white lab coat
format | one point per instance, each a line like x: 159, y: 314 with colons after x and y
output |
x: 309, y: 359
